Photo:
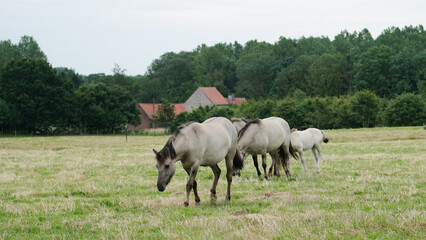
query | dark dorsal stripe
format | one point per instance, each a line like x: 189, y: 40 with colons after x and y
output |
x: 243, y: 130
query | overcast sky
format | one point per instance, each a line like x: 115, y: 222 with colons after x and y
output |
x: 89, y: 36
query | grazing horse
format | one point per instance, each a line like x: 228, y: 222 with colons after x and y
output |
x: 310, y: 138
x: 261, y: 136
x: 239, y: 123
x: 199, y: 144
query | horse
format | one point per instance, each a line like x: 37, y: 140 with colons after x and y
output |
x: 239, y: 123
x: 261, y: 136
x: 199, y: 144
x: 310, y: 138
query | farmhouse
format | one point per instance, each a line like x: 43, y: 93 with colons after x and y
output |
x: 207, y: 96
x: 147, y: 110
x: 203, y: 96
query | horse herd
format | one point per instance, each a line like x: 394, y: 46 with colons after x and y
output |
x: 206, y: 144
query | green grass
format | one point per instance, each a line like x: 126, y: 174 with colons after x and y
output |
x: 372, y: 185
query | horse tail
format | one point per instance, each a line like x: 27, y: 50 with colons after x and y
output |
x: 324, y: 138
x: 293, y: 152
x: 238, y: 161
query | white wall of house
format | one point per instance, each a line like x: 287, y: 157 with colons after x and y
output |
x: 197, y: 99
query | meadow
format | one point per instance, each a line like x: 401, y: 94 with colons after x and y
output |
x: 372, y: 185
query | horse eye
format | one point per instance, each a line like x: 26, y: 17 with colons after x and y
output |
x: 167, y: 166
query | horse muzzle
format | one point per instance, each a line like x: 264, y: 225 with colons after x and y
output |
x: 161, y: 188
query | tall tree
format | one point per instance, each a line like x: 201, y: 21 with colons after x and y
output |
x: 29, y: 48
x: 105, y: 108
x: 8, y: 51
x: 373, y: 70
x: 329, y: 75
x: 410, y: 37
x: 170, y: 77
x: 314, y: 46
x: 215, y: 67
x: 36, y: 96
x: 256, y: 70
x: 294, y: 77
x: 76, y: 79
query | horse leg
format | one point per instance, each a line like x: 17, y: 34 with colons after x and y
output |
x: 272, y: 167
x: 302, y: 159
x: 286, y: 160
x: 264, y: 165
x: 317, y: 155
x: 256, y: 164
x: 229, y: 167
x: 216, y: 172
x: 275, y: 155
x: 197, y: 197
x: 190, y: 185
x: 276, y: 162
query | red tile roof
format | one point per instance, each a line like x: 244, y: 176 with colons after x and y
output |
x: 239, y: 100
x: 150, y: 108
x: 214, y: 95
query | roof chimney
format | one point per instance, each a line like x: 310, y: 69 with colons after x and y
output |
x: 231, y: 97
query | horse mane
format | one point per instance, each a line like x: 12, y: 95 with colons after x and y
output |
x: 178, y: 130
x: 240, y: 120
x: 236, y: 119
x: 293, y: 130
x: 169, y: 144
x: 243, y: 130
x: 170, y: 147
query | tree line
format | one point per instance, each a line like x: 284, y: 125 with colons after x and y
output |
x: 294, y: 75
x: 363, y: 109
x: 37, y: 99
x: 391, y: 64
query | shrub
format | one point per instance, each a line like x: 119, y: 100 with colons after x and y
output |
x: 406, y: 110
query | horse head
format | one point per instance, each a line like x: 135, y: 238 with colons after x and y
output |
x: 165, y: 166
x: 245, y: 136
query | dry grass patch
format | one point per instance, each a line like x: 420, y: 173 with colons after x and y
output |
x: 371, y: 185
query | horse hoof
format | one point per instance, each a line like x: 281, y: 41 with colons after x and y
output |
x: 197, y: 203
x: 228, y: 198
x: 185, y: 204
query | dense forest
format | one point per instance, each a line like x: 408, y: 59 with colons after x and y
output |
x: 352, y: 80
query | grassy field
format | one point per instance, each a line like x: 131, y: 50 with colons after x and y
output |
x: 372, y: 185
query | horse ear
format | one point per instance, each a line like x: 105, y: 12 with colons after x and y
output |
x: 156, y: 153
x: 167, y: 151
